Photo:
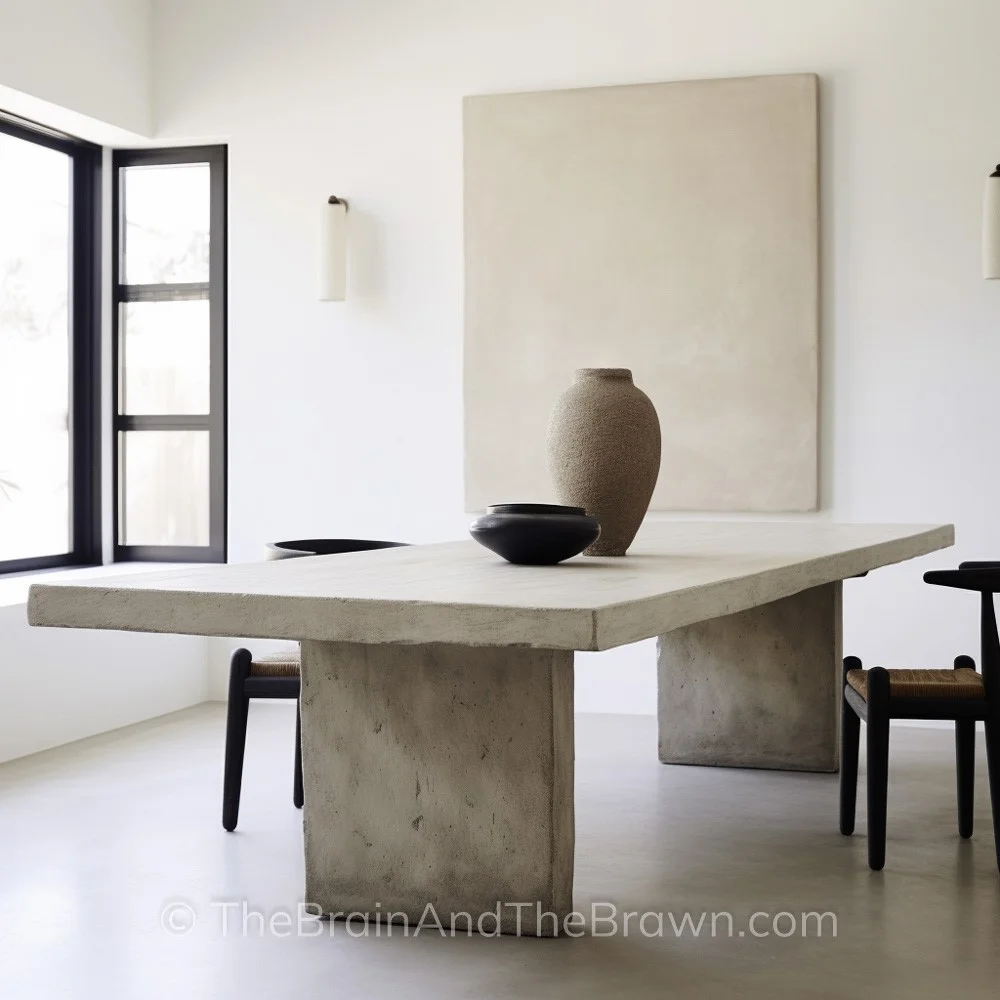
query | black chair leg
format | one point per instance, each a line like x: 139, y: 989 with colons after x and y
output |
x: 878, y: 764
x: 297, y: 795
x: 965, y: 762
x: 993, y: 763
x: 236, y: 737
x: 965, y: 772
x: 850, y: 734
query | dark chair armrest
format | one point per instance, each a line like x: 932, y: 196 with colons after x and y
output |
x: 983, y: 578
x: 979, y: 564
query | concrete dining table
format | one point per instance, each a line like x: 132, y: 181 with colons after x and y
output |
x: 437, y: 686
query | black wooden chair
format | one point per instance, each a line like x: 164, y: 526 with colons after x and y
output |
x: 961, y: 694
x: 274, y: 676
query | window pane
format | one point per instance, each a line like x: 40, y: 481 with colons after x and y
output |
x: 165, y: 357
x: 164, y: 488
x: 166, y: 223
x: 34, y: 350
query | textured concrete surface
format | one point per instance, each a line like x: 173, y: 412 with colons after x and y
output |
x: 676, y: 573
x: 604, y: 453
x: 438, y: 774
x: 100, y: 837
x: 756, y: 689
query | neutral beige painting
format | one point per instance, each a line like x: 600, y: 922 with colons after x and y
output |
x: 668, y: 228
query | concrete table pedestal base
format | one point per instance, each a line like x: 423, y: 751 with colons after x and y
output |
x: 439, y: 774
x: 760, y: 688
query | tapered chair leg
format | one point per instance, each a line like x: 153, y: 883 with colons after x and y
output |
x: 297, y: 795
x: 965, y: 762
x: 236, y: 737
x: 993, y: 763
x: 878, y: 764
x: 965, y: 772
x: 850, y: 734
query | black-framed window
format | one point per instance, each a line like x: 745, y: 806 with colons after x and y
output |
x: 50, y: 322
x: 169, y: 343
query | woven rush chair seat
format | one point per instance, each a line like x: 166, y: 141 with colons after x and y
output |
x: 962, y: 682
x: 277, y: 665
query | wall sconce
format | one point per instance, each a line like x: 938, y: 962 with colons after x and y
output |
x: 333, y: 251
x: 991, y: 226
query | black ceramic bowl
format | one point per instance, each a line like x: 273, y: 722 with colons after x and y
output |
x: 535, y: 534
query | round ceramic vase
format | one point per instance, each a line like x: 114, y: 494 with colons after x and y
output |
x: 604, y: 453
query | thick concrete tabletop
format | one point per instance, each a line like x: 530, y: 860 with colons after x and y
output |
x: 677, y: 573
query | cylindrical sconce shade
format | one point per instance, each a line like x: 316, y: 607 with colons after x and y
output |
x: 333, y: 251
x: 991, y: 226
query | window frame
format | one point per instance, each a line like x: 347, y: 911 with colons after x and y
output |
x: 84, y: 315
x: 216, y: 287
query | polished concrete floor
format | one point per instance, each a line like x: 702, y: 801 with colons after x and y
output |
x: 112, y: 848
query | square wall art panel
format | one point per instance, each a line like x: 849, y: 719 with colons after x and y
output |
x: 668, y: 228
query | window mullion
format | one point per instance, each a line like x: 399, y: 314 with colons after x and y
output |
x: 164, y: 422
x: 166, y: 292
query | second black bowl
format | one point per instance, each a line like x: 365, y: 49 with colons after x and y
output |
x: 535, y: 534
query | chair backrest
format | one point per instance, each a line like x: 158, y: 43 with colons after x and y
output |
x: 325, y: 547
x: 990, y: 643
x: 983, y: 577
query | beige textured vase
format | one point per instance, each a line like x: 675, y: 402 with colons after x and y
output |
x: 604, y: 453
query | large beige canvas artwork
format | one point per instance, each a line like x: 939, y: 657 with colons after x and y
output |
x: 668, y: 228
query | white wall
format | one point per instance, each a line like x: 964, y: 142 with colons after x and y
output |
x: 61, y: 685
x: 75, y: 65
x: 346, y: 418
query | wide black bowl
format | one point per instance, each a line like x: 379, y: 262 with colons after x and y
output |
x: 535, y: 534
